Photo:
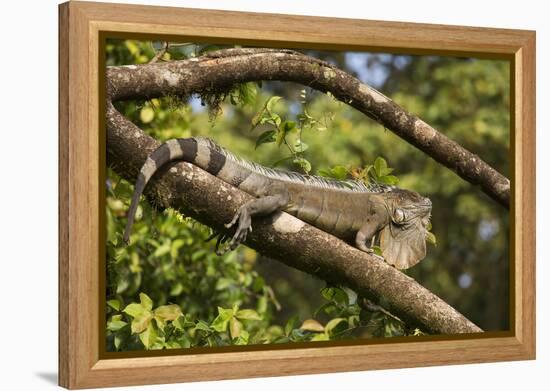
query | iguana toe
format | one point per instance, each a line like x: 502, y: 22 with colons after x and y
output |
x: 232, y: 222
x: 238, y: 238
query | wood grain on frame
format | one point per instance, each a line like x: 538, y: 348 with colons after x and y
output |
x: 81, y: 161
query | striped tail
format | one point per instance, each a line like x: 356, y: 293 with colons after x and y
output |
x: 184, y: 149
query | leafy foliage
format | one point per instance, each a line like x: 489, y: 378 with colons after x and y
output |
x: 140, y: 325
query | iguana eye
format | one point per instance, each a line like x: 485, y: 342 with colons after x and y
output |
x: 398, y: 216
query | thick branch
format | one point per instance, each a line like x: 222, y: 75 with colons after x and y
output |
x: 213, y: 202
x: 221, y: 70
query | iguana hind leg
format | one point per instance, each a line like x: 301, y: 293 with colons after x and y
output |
x: 262, y: 206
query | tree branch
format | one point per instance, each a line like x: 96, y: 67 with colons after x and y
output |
x: 213, y: 202
x: 220, y: 71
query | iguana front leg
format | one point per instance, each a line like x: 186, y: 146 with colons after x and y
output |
x: 264, y: 205
x: 366, y: 234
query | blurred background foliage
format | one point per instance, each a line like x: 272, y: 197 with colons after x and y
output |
x: 168, y: 289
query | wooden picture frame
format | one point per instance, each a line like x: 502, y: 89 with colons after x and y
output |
x: 82, y: 24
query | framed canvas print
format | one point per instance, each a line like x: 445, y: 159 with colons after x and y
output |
x: 241, y: 199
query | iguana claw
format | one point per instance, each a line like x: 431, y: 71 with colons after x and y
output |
x: 244, y: 226
x: 221, y: 239
x: 232, y: 222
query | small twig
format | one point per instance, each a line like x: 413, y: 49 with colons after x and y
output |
x: 368, y: 305
x: 273, y: 298
x: 160, y: 53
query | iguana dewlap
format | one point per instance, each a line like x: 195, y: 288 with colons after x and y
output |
x: 351, y: 210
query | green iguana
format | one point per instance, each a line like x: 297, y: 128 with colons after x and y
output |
x: 351, y: 210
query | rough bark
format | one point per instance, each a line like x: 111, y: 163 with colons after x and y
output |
x: 220, y: 71
x: 204, y: 197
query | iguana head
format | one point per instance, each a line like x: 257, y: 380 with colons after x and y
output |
x: 403, y: 240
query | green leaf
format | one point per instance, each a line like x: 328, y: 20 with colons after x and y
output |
x: 380, y: 166
x: 339, y: 172
x: 141, y: 322
x: 119, y: 338
x: 146, y: 301
x: 430, y: 238
x: 312, y: 325
x: 248, y: 314
x: 335, y: 294
x: 257, y: 118
x: 161, y: 324
x: 140, y: 312
x: 320, y: 337
x: 176, y: 289
x: 297, y: 335
x: 377, y: 250
x: 275, y: 120
x: 300, y: 146
x: 327, y: 308
x: 220, y: 323
x: 258, y: 284
x: 262, y: 304
x: 243, y: 338
x: 182, y: 323
x: 147, y: 114
x: 235, y: 327
x: 266, y: 119
x: 203, y: 326
x: 247, y: 93
x: 149, y: 336
x: 176, y: 245
x: 303, y: 163
x: 388, y: 179
x: 291, y: 324
x: 116, y: 323
x: 172, y: 345
x: 271, y: 103
x: 393, y: 329
x: 234, y: 309
x: 336, y: 172
x: 280, y: 137
x: 336, y: 325
x: 223, y: 283
x: 168, y: 312
x: 266, y: 137
x: 132, y: 47
x: 184, y: 342
x: 365, y: 172
x: 163, y: 249
x: 288, y: 126
x: 114, y: 304
x: 134, y: 309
